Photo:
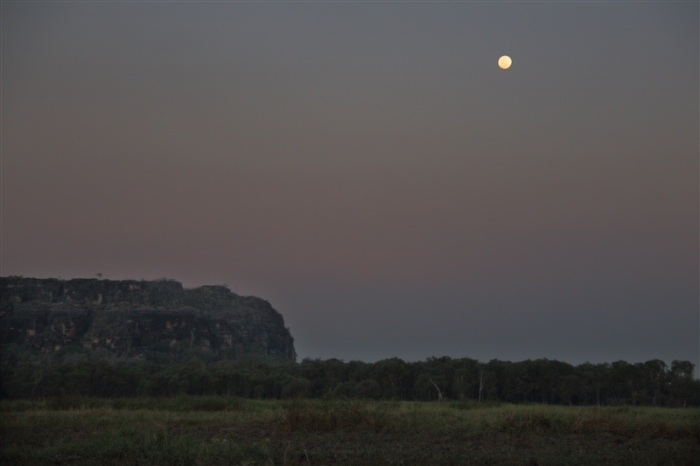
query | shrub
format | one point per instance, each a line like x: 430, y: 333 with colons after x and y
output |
x: 368, y: 389
x: 297, y: 388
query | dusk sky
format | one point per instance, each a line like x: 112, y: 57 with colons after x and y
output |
x: 369, y: 169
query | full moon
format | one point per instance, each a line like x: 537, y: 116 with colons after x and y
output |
x: 504, y: 62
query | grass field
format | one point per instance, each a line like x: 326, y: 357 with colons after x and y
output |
x: 222, y: 431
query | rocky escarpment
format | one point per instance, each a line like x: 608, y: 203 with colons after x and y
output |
x: 128, y: 320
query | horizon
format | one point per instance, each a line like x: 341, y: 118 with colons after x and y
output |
x: 696, y: 373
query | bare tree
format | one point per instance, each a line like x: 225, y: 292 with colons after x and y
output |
x: 481, y: 382
x: 440, y: 398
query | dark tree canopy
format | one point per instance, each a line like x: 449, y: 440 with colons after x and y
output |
x: 651, y: 383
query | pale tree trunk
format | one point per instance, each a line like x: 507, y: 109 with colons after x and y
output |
x: 481, y: 383
x: 438, y: 389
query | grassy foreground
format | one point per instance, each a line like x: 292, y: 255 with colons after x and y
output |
x: 222, y: 431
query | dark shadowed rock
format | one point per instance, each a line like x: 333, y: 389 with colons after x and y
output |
x: 128, y: 320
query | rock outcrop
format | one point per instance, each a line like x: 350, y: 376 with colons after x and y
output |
x: 128, y: 320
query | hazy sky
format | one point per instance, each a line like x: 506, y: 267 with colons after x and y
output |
x: 368, y: 169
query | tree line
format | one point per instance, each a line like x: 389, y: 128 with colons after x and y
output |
x: 651, y: 383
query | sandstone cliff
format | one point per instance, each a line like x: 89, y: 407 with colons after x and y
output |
x: 128, y: 320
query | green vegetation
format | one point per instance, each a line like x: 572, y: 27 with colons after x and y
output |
x: 652, y: 383
x: 222, y: 430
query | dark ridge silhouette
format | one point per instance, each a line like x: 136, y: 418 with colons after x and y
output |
x: 58, y: 321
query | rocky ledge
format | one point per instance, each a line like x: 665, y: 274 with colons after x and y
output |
x: 128, y: 320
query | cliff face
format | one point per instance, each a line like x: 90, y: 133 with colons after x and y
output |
x: 157, y: 321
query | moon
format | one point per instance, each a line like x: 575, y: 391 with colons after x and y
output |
x: 504, y: 62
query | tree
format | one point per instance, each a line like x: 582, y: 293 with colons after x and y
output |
x: 297, y: 388
x: 682, y: 386
x: 369, y: 388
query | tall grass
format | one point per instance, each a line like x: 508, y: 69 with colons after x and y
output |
x: 334, y: 416
x: 215, y: 431
x: 181, y: 403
